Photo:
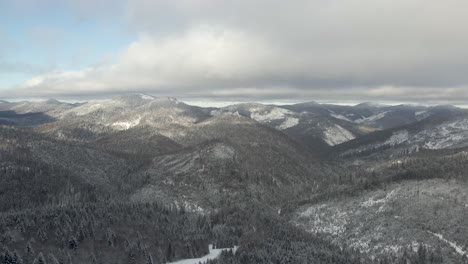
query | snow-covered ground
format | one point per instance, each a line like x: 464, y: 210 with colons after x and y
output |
x: 420, y: 115
x: 391, y: 219
x: 222, y: 152
x: 288, y: 123
x: 214, y: 253
x: 336, y: 134
x: 397, y: 138
x: 276, y: 113
x: 124, y: 125
x: 263, y: 114
x: 337, y: 116
x: 453, y: 245
x: 382, y: 202
x: 446, y: 135
x: 372, y: 118
x: 146, y: 96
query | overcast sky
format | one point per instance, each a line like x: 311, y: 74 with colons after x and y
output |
x: 323, y: 50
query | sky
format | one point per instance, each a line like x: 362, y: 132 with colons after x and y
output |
x: 413, y: 51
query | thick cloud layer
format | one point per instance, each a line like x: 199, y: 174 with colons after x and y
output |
x: 397, y: 50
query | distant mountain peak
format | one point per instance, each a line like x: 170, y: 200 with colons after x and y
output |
x: 145, y: 96
x: 134, y: 98
x: 173, y: 99
x: 310, y: 103
x: 52, y: 101
x: 370, y: 104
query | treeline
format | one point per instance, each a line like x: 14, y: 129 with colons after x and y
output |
x: 421, y: 256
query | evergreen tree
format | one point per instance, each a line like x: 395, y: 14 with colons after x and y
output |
x: 421, y: 254
x: 73, y: 243
x: 17, y: 258
x: 40, y: 259
x: 53, y: 259
x: 7, y: 257
x: 149, y: 259
x: 131, y: 257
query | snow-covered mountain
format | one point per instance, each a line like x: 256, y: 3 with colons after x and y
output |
x: 364, y: 195
x: 31, y: 113
x: 232, y: 153
x: 52, y: 107
x: 315, y: 130
x: 93, y: 119
x: 376, y: 115
x: 431, y: 134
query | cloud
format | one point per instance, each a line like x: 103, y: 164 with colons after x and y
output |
x: 375, y: 50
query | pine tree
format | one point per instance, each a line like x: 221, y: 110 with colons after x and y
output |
x: 131, y: 257
x: 110, y: 235
x: 149, y: 260
x: 40, y: 259
x: 7, y: 257
x: 69, y: 259
x: 53, y: 259
x: 17, y: 258
x: 41, y: 235
x: 93, y: 259
x: 73, y: 243
x: 421, y: 254
x: 29, y: 253
x: 29, y: 248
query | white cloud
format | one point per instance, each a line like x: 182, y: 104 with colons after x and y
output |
x: 387, y: 49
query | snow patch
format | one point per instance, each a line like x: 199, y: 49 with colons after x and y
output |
x: 275, y: 114
x: 324, y: 220
x: 288, y: 123
x: 372, y: 118
x: 382, y: 202
x: 222, y: 152
x: 397, y: 138
x: 146, y: 96
x: 124, y: 125
x: 214, y: 254
x: 337, y: 116
x: 420, y: 115
x: 336, y: 134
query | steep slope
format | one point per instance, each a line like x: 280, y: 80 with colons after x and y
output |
x: 142, y: 141
x: 37, y: 171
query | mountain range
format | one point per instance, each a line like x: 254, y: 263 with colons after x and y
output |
x: 385, y: 182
